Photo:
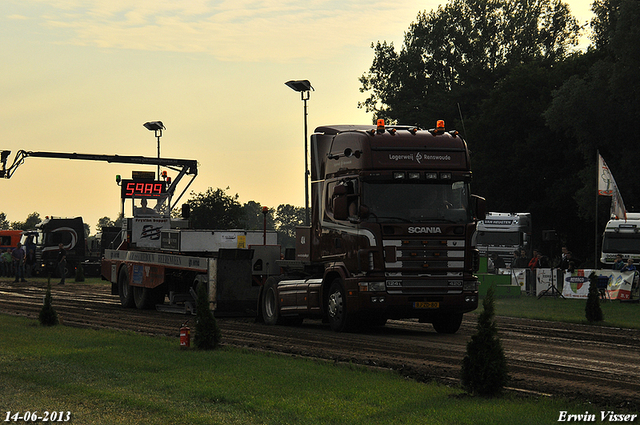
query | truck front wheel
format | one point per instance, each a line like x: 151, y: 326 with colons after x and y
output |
x: 447, y: 323
x: 124, y: 289
x: 339, y: 320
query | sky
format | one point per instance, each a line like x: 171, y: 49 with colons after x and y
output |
x: 85, y: 75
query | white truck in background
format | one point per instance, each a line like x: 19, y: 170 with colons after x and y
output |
x: 503, y: 233
x: 621, y: 237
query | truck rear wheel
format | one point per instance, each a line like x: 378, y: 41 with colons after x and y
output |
x: 147, y: 298
x: 270, y: 305
x: 447, y: 323
x: 124, y: 289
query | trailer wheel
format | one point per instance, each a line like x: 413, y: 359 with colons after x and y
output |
x: 124, y: 289
x: 339, y: 320
x: 270, y: 304
x: 447, y: 323
x: 143, y: 298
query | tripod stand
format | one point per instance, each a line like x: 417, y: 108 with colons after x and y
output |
x: 552, y: 290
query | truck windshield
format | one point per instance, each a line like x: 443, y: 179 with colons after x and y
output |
x: 417, y: 202
x: 498, y: 238
x: 32, y: 238
x: 621, y: 243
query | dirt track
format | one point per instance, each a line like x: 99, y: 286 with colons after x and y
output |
x: 600, y: 365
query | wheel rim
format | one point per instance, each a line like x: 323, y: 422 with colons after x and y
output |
x: 335, y: 305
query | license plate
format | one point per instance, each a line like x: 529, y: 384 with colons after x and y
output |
x: 433, y: 304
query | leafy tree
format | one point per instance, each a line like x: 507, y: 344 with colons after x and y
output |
x: 215, y: 209
x: 254, y: 218
x: 104, y: 222
x: 484, y: 367
x: 457, y: 54
x: 600, y: 105
x: 4, y: 223
x: 288, y: 217
x: 28, y: 224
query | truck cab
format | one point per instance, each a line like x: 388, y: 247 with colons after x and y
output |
x: 504, y: 233
x: 621, y: 236
x: 390, y: 236
x: 47, y: 236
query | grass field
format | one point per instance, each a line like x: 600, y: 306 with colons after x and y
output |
x: 616, y: 314
x: 109, y: 377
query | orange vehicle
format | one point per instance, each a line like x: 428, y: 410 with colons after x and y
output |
x: 9, y: 238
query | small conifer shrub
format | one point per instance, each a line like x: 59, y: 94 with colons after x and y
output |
x: 79, y: 273
x: 484, y: 367
x: 592, y: 309
x: 48, y: 315
x: 208, y: 334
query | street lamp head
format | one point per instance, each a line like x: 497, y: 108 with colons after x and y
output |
x: 154, y: 125
x: 300, y: 85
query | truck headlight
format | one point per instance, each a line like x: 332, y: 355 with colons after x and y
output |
x: 470, y: 285
x: 372, y: 286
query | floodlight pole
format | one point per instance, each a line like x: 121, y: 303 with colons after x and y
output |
x: 158, y: 133
x: 157, y: 127
x: 305, y: 96
x: 304, y: 87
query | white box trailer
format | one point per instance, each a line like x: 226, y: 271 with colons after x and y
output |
x: 211, y: 241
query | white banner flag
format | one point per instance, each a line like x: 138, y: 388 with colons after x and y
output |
x: 607, y: 187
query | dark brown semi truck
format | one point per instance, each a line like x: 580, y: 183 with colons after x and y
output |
x: 390, y: 235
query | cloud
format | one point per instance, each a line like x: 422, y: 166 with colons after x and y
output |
x: 235, y: 30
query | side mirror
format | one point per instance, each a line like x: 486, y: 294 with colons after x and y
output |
x: 479, y: 206
x: 340, y: 203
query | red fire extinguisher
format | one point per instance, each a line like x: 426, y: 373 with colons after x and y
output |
x: 185, y: 335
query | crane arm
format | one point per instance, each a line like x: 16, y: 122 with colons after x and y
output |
x: 182, y: 166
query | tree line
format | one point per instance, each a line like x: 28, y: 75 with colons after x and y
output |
x: 533, y: 109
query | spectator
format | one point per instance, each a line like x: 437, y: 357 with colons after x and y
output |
x: 630, y: 267
x: 564, y: 260
x: 62, y: 263
x: 30, y: 260
x: 498, y: 262
x: 533, y: 263
x: 520, y: 260
x: 18, y: 256
x: 543, y: 261
x: 6, y: 260
x: 618, y: 264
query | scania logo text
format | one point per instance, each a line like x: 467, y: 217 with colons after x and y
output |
x: 425, y: 230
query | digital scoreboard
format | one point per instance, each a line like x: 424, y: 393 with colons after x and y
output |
x: 143, y: 189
